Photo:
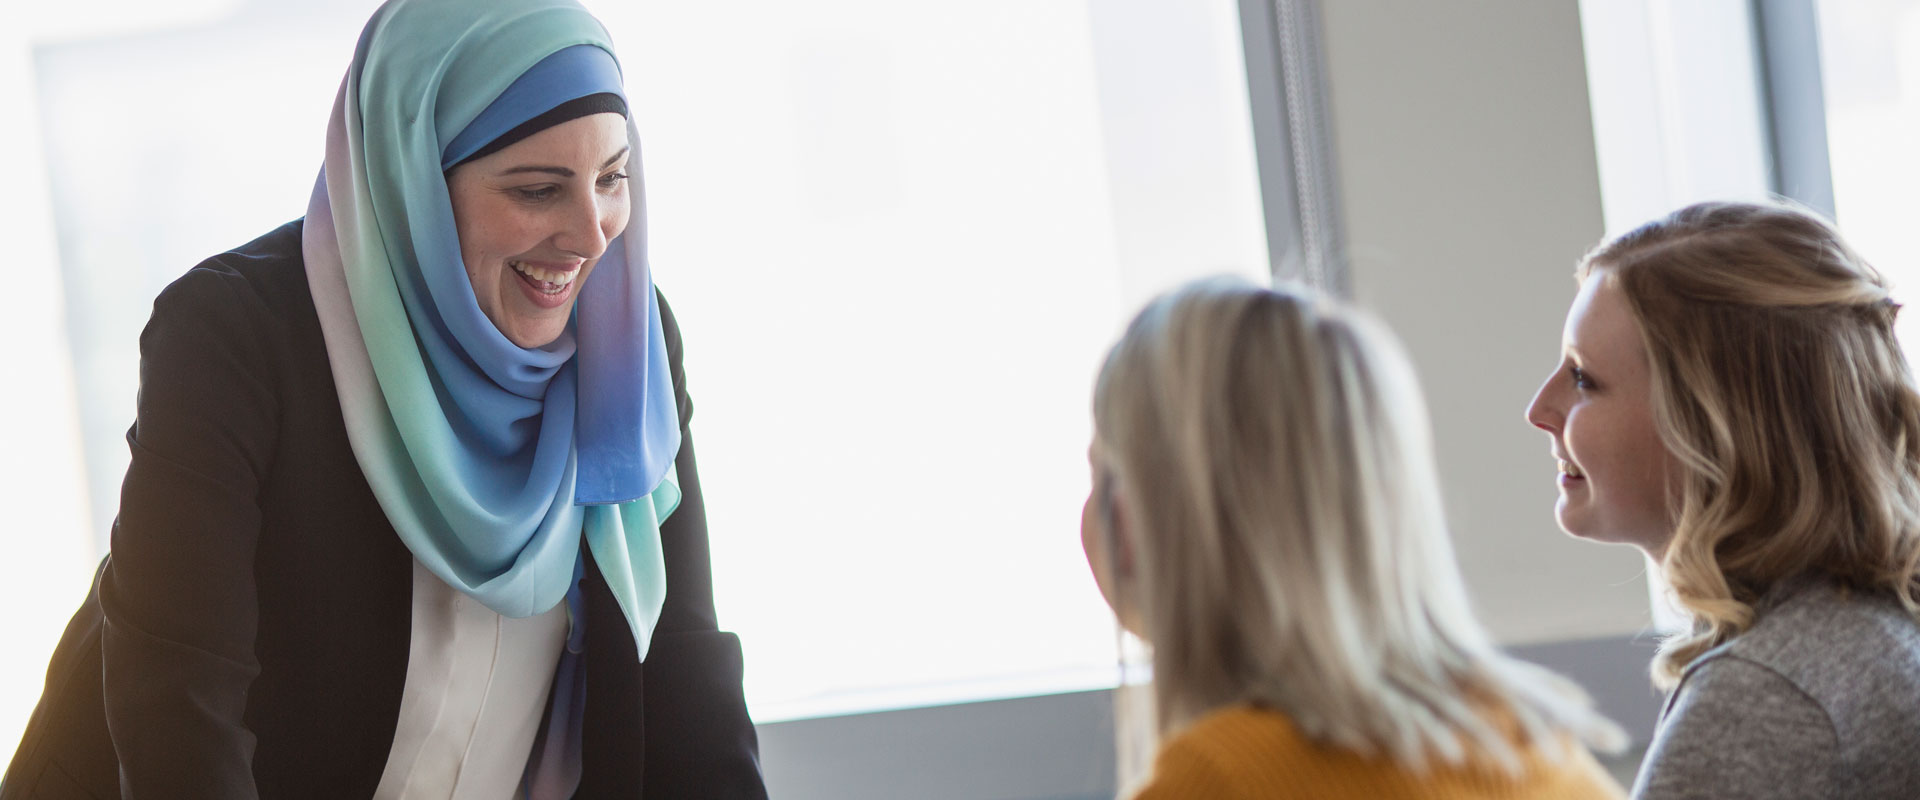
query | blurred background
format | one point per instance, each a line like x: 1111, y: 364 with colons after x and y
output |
x: 899, y: 237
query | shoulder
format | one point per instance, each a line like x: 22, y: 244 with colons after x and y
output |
x: 264, y: 280
x: 1769, y: 684
x: 1233, y: 752
x: 676, y: 356
x: 1825, y: 679
x: 1256, y: 753
x: 218, y: 351
x: 1246, y: 751
x: 669, y: 325
x: 1728, y: 693
x: 1738, y: 728
x: 1800, y: 632
x: 1815, y: 696
x: 1241, y: 733
x: 1853, y: 654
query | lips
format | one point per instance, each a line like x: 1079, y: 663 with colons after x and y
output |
x: 551, y: 281
x: 1570, y: 474
x: 546, y: 286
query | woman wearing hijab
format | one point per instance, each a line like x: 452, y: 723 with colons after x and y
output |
x: 412, y: 509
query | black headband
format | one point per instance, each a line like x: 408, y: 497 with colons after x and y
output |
x: 602, y: 103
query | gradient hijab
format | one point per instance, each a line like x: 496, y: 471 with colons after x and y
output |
x: 492, y: 461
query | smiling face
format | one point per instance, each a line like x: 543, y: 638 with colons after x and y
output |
x: 1597, y: 407
x: 534, y: 219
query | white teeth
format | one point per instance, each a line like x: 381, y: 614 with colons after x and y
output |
x: 1571, y: 471
x: 559, y: 279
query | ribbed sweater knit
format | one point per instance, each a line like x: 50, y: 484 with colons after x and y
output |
x: 1252, y: 753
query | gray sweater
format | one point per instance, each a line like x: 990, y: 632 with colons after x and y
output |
x: 1820, y: 699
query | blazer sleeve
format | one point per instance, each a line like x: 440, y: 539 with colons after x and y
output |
x: 699, y: 739
x: 177, y: 593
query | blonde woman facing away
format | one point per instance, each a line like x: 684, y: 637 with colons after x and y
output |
x: 1731, y: 400
x: 1265, y: 514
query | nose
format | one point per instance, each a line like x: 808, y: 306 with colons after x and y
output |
x: 1545, y: 411
x: 589, y: 223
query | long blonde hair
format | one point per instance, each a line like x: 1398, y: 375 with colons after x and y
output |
x: 1287, y: 547
x: 1778, y: 385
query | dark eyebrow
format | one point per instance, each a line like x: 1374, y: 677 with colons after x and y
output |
x: 560, y: 171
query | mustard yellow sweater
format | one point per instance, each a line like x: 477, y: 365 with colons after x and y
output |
x: 1251, y: 753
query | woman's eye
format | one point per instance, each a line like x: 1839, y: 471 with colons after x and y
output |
x: 612, y: 179
x: 1579, y: 378
x: 536, y: 193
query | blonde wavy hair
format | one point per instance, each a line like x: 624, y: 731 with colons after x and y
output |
x: 1277, y: 498
x: 1779, y: 387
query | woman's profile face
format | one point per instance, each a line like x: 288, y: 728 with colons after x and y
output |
x: 534, y: 219
x: 1597, y: 409
x: 1107, y: 554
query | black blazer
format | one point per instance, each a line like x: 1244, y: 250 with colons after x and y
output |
x: 248, y: 634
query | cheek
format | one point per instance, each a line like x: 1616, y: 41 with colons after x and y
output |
x: 1594, y: 439
x: 1090, y: 534
x: 473, y: 257
x: 613, y: 221
x: 1093, y: 542
x: 481, y: 232
x: 481, y: 276
x: 1576, y: 431
x: 494, y: 230
x: 1625, y: 461
x: 1659, y: 470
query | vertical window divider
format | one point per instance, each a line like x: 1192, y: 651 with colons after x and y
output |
x: 1788, y: 42
x: 1293, y: 142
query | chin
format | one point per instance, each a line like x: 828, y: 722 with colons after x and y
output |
x: 1586, y: 529
x: 1580, y: 525
x: 1596, y: 538
x: 530, y: 333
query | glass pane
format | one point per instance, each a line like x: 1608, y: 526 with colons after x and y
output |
x: 1870, y: 65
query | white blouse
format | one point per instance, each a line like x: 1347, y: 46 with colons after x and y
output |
x: 476, y: 690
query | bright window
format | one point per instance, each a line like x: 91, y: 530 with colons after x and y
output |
x: 1870, y: 65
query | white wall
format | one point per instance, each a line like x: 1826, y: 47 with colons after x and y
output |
x: 1464, y: 150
